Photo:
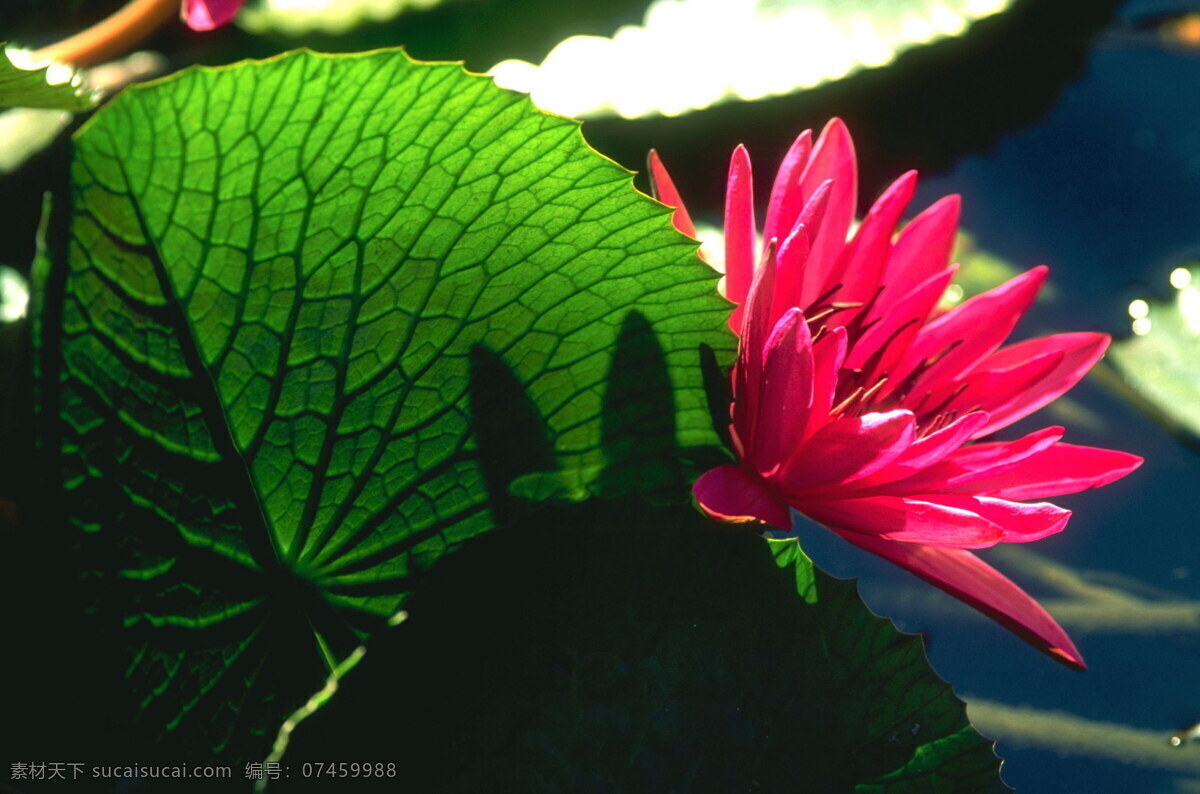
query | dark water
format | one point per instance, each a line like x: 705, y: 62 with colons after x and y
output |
x: 1106, y: 190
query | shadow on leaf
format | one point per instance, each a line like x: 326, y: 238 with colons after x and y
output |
x: 620, y: 646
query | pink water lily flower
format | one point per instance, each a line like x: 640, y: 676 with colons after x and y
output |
x: 209, y: 14
x: 860, y: 405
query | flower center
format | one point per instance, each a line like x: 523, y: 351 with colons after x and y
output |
x: 870, y: 388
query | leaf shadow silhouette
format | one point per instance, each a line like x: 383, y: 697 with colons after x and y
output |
x: 512, y: 439
x: 638, y: 418
x: 615, y: 644
x: 638, y: 431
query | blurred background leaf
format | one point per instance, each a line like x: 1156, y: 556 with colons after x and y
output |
x: 1158, y: 366
x: 332, y: 17
x: 689, y: 54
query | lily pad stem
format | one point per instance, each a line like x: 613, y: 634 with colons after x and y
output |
x: 112, y: 36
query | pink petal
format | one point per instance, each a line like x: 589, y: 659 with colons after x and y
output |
x: 926, y: 451
x: 1076, y: 354
x: 209, y: 14
x: 756, y: 329
x: 846, y: 450
x: 786, y: 393
x: 961, y: 470
x: 739, y: 227
x: 789, y: 278
x: 832, y: 158
x: 787, y: 198
x: 998, y: 454
x: 732, y: 494
x: 992, y: 390
x: 938, y: 445
x: 664, y: 190
x: 1061, y: 469
x: 813, y: 212
x: 960, y: 338
x: 1021, y: 522
x: 828, y: 354
x: 924, y: 246
x: 906, y: 521
x: 861, y: 265
x: 794, y: 253
x: 972, y: 581
x: 887, y: 341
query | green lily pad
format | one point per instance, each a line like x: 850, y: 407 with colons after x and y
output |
x: 287, y: 287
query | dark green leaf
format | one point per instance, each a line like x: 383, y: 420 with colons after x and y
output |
x: 603, y: 647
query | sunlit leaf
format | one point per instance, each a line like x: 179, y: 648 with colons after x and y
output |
x: 689, y: 54
x: 291, y: 289
x: 650, y: 650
